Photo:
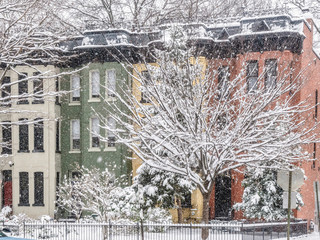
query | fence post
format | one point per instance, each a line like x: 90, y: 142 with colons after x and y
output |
x: 24, y: 228
x: 110, y: 230
x: 190, y: 230
x: 241, y: 230
x: 66, y: 230
x: 138, y: 230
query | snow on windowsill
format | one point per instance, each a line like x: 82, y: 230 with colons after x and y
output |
x: 110, y: 149
x: 94, y: 150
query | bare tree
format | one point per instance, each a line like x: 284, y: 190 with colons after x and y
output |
x: 30, y: 37
x: 200, y: 128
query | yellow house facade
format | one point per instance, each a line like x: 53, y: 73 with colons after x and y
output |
x: 190, y: 214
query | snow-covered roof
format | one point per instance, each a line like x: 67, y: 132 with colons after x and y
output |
x: 215, y: 32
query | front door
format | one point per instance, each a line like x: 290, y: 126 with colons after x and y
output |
x: 7, y: 188
x: 223, y: 198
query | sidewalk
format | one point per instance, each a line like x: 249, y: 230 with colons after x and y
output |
x: 312, y: 236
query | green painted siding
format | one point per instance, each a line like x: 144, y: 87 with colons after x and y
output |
x: 116, y: 160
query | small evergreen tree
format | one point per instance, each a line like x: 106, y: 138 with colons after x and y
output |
x: 262, y: 197
x: 163, y: 189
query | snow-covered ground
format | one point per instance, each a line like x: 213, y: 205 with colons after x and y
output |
x: 313, y: 236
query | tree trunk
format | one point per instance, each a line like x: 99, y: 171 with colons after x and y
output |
x: 179, y: 210
x: 141, y: 227
x: 205, y: 215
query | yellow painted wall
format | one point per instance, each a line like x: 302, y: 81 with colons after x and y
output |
x: 193, y: 214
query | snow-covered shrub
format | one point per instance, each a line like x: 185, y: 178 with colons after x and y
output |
x: 262, y: 197
x: 129, y: 203
x: 98, y: 192
x: 5, y: 213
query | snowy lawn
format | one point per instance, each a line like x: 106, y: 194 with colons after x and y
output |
x: 313, y: 236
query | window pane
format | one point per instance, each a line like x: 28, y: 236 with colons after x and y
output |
x: 6, y: 138
x: 252, y: 76
x: 223, y: 81
x: 75, y: 85
x: 111, y: 84
x: 38, y: 135
x: 38, y: 189
x: 37, y: 89
x: 95, y: 84
x: 23, y: 89
x: 271, y: 73
x: 6, y: 92
x: 75, y: 134
x: 146, y: 78
x: 111, y: 135
x: 57, y: 136
x: 23, y: 136
x: 24, y: 188
x: 95, y: 128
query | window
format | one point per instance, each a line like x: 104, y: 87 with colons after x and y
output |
x: 146, y: 78
x: 95, y: 132
x: 57, y: 187
x: 23, y: 89
x: 252, y: 76
x: 38, y: 189
x: 314, y: 155
x: 23, y: 135
x: 6, y: 138
x: 95, y: 83
x: 38, y: 135
x: 111, y: 135
x: 75, y: 134
x: 57, y: 136
x: 111, y: 82
x: 223, y: 81
x: 6, y: 91
x: 75, y: 88
x: 271, y: 74
x: 316, y: 105
x: 57, y: 91
x: 37, y: 89
x: 24, y: 189
x: 186, y: 200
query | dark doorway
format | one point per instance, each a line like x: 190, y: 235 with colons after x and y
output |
x: 7, y: 188
x: 223, y: 198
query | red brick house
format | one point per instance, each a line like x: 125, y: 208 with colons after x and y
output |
x: 294, y: 46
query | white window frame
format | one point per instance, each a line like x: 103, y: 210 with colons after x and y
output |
x: 91, y: 148
x: 107, y: 147
x: 75, y: 102
x: 94, y: 99
x: 107, y: 96
x: 72, y: 150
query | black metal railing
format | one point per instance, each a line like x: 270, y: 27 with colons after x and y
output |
x: 232, y: 230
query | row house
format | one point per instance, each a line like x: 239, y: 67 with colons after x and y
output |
x: 30, y: 132
x: 110, y: 60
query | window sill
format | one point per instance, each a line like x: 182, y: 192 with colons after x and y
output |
x: 38, y: 102
x: 23, y: 205
x: 74, y: 104
x: 74, y: 151
x: 94, y: 100
x: 110, y: 99
x: 6, y: 153
x: 58, y: 151
x: 23, y: 103
x: 110, y: 149
x: 37, y: 151
x: 23, y: 151
x: 38, y: 205
x: 94, y: 150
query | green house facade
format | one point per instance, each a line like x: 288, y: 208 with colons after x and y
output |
x: 83, y: 112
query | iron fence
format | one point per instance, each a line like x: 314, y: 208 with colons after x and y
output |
x: 149, y: 231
